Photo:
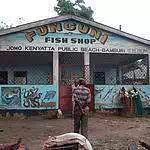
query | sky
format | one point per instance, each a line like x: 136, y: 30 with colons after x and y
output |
x: 132, y: 15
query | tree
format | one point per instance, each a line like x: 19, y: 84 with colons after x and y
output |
x: 77, y: 8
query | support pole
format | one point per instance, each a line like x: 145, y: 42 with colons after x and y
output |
x: 56, y: 68
x: 87, y: 67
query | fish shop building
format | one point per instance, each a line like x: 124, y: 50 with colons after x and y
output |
x: 40, y: 60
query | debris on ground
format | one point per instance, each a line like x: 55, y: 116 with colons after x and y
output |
x: 14, y: 146
x: 67, y: 139
x: 104, y: 132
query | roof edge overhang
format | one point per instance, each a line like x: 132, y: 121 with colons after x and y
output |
x: 67, y: 17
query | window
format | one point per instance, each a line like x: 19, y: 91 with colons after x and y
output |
x: 3, y: 77
x: 20, y: 77
x: 99, y: 78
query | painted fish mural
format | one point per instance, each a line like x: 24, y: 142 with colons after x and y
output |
x: 11, y: 96
x: 29, y: 97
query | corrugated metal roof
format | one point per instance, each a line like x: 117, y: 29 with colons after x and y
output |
x: 67, y: 17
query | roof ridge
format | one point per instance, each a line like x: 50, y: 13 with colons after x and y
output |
x: 66, y: 17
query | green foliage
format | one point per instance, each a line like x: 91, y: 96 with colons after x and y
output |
x: 77, y: 8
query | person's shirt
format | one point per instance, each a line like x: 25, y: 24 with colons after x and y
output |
x: 82, y: 95
x: 73, y: 88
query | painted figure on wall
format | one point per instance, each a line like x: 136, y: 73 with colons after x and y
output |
x: 136, y: 103
x: 124, y: 98
x: 138, y: 97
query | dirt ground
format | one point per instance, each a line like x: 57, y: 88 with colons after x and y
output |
x: 105, y: 132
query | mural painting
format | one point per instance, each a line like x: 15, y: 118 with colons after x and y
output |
x: 29, y: 97
x: 11, y: 97
x: 144, y: 91
x: 110, y: 96
x: 36, y: 97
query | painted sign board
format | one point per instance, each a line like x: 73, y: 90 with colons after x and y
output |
x: 107, y: 96
x: 29, y: 96
x: 70, y: 36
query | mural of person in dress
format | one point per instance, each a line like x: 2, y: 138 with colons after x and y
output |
x: 137, y: 107
x: 124, y: 100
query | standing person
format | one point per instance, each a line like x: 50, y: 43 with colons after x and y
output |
x: 82, y: 98
x: 75, y: 84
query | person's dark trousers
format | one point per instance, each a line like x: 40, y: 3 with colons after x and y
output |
x: 77, y: 119
x: 81, y: 121
x: 84, y: 125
